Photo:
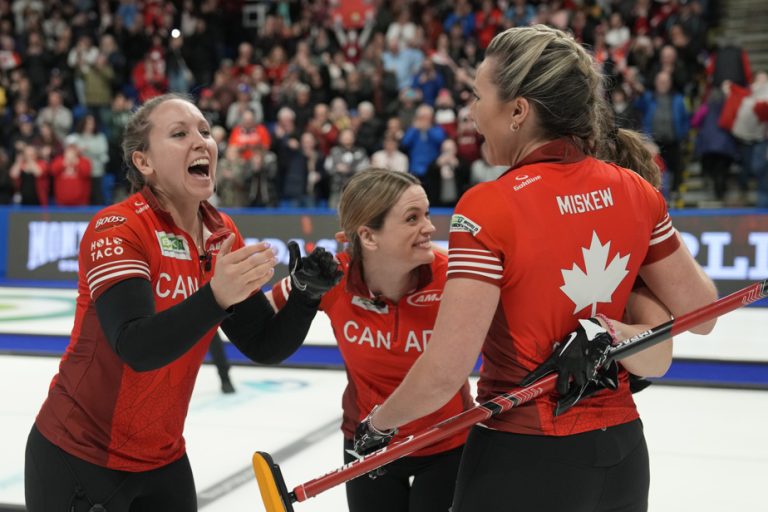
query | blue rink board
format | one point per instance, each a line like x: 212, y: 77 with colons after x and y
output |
x: 694, y: 372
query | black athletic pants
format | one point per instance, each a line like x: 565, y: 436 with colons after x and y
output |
x: 434, y: 478
x: 598, y: 471
x: 57, y: 481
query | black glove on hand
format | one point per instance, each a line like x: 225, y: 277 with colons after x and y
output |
x: 312, y: 275
x: 369, y: 439
x: 578, y: 357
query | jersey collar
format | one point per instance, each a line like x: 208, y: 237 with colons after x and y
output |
x: 210, y: 215
x: 356, y: 283
x: 560, y: 151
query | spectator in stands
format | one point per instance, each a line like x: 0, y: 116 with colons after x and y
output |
x: 93, y: 145
x: 303, y: 177
x: 323, y: 129
x: 344, y: 160
x: 746, y: 115
x: 618, y: 34
x: 715, y: 147
x: 462, y: 16
x: 445, y: 113
x: 30, y: 175
x: 665, y: 119
x: 389, y: 157
x: 302, y: 106
x: 247, y: 135
x: 481, y: 171
x: 729, y: 62
x: 180, y: 78
x: 429, y: 81
x: 338, y: 114
x: 422, y: 141
x: 368, y: 128
x: 359, y: 88
x: 410, y: 99
x: 149, y: 75
x: 468, y: 141
x: 231, y: 179
x: 47, y: 143
x: 245, y: 100
x: 519, y: 14
x: 624, y: 113
x: 447, y: 177
x: 55, y: 113
x: 97, y: 80
x: 403, y: 60
x: 71, y: 175
x: 488, y: 22
x: 7, y: 187
x: 118, y: 118
x: 262, y: 178
x: 402, y: 29
x: 80, y: 59
x: 669, y: 63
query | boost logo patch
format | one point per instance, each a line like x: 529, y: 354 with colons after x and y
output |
x: 108, y: 222
x: 461, y: 223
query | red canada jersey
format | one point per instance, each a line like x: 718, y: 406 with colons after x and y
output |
x: 563, y: 236
x: 98, y: 408
x: 380, y: 340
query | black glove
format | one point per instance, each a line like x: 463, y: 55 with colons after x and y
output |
x: 369, y: 439
x: 578, y: 357
x: 312, y: 275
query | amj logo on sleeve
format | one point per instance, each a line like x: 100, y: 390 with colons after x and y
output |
x: 173, y: 246
x: 462, y: 223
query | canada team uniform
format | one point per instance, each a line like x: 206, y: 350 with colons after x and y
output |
x: 549, y: 234
x: 380, y: 340
x: 133, y: 421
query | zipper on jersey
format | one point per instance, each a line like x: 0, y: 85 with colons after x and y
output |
x: 396, y: 330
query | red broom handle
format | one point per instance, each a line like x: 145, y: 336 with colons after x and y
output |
x: 507, y: 401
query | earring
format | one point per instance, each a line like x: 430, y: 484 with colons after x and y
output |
x: 514, y: 127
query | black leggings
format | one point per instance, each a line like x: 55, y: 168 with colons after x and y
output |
x: 55, y: 480
x: 434, y: 479
x: 602, y: 470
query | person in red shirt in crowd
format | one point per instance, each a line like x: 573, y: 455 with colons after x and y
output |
x: 382, y: 312
x: 554, y: 246
x: 71, y: 174
x: 149, y: 75
x: 29, y: 172
x: 159, y: 273
x: 247, y: 135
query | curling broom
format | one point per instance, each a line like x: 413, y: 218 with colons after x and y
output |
x: 274, y: 492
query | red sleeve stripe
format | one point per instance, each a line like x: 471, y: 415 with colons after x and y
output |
x: 663, y: 231
x: 285, y: 287
x: 462, y: 271
x: 665, y: 223
x: 106, y: 267
x: 117, y: 269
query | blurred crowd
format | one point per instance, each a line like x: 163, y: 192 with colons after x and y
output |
x: 302, y: 94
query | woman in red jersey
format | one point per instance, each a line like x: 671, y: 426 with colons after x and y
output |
x: 159, y: 273
x: 559, y: 239
x: 382, y: 313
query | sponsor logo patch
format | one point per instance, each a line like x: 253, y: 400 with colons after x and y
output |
x: 370, y: 305
x: 461, y: 223
x: 425, y: 298
x: 108, y: 222
x: 173, y: 246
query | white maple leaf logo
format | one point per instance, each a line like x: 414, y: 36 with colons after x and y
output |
x: 599, y: 281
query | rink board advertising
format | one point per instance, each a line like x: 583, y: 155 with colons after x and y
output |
x: 43, y: 245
